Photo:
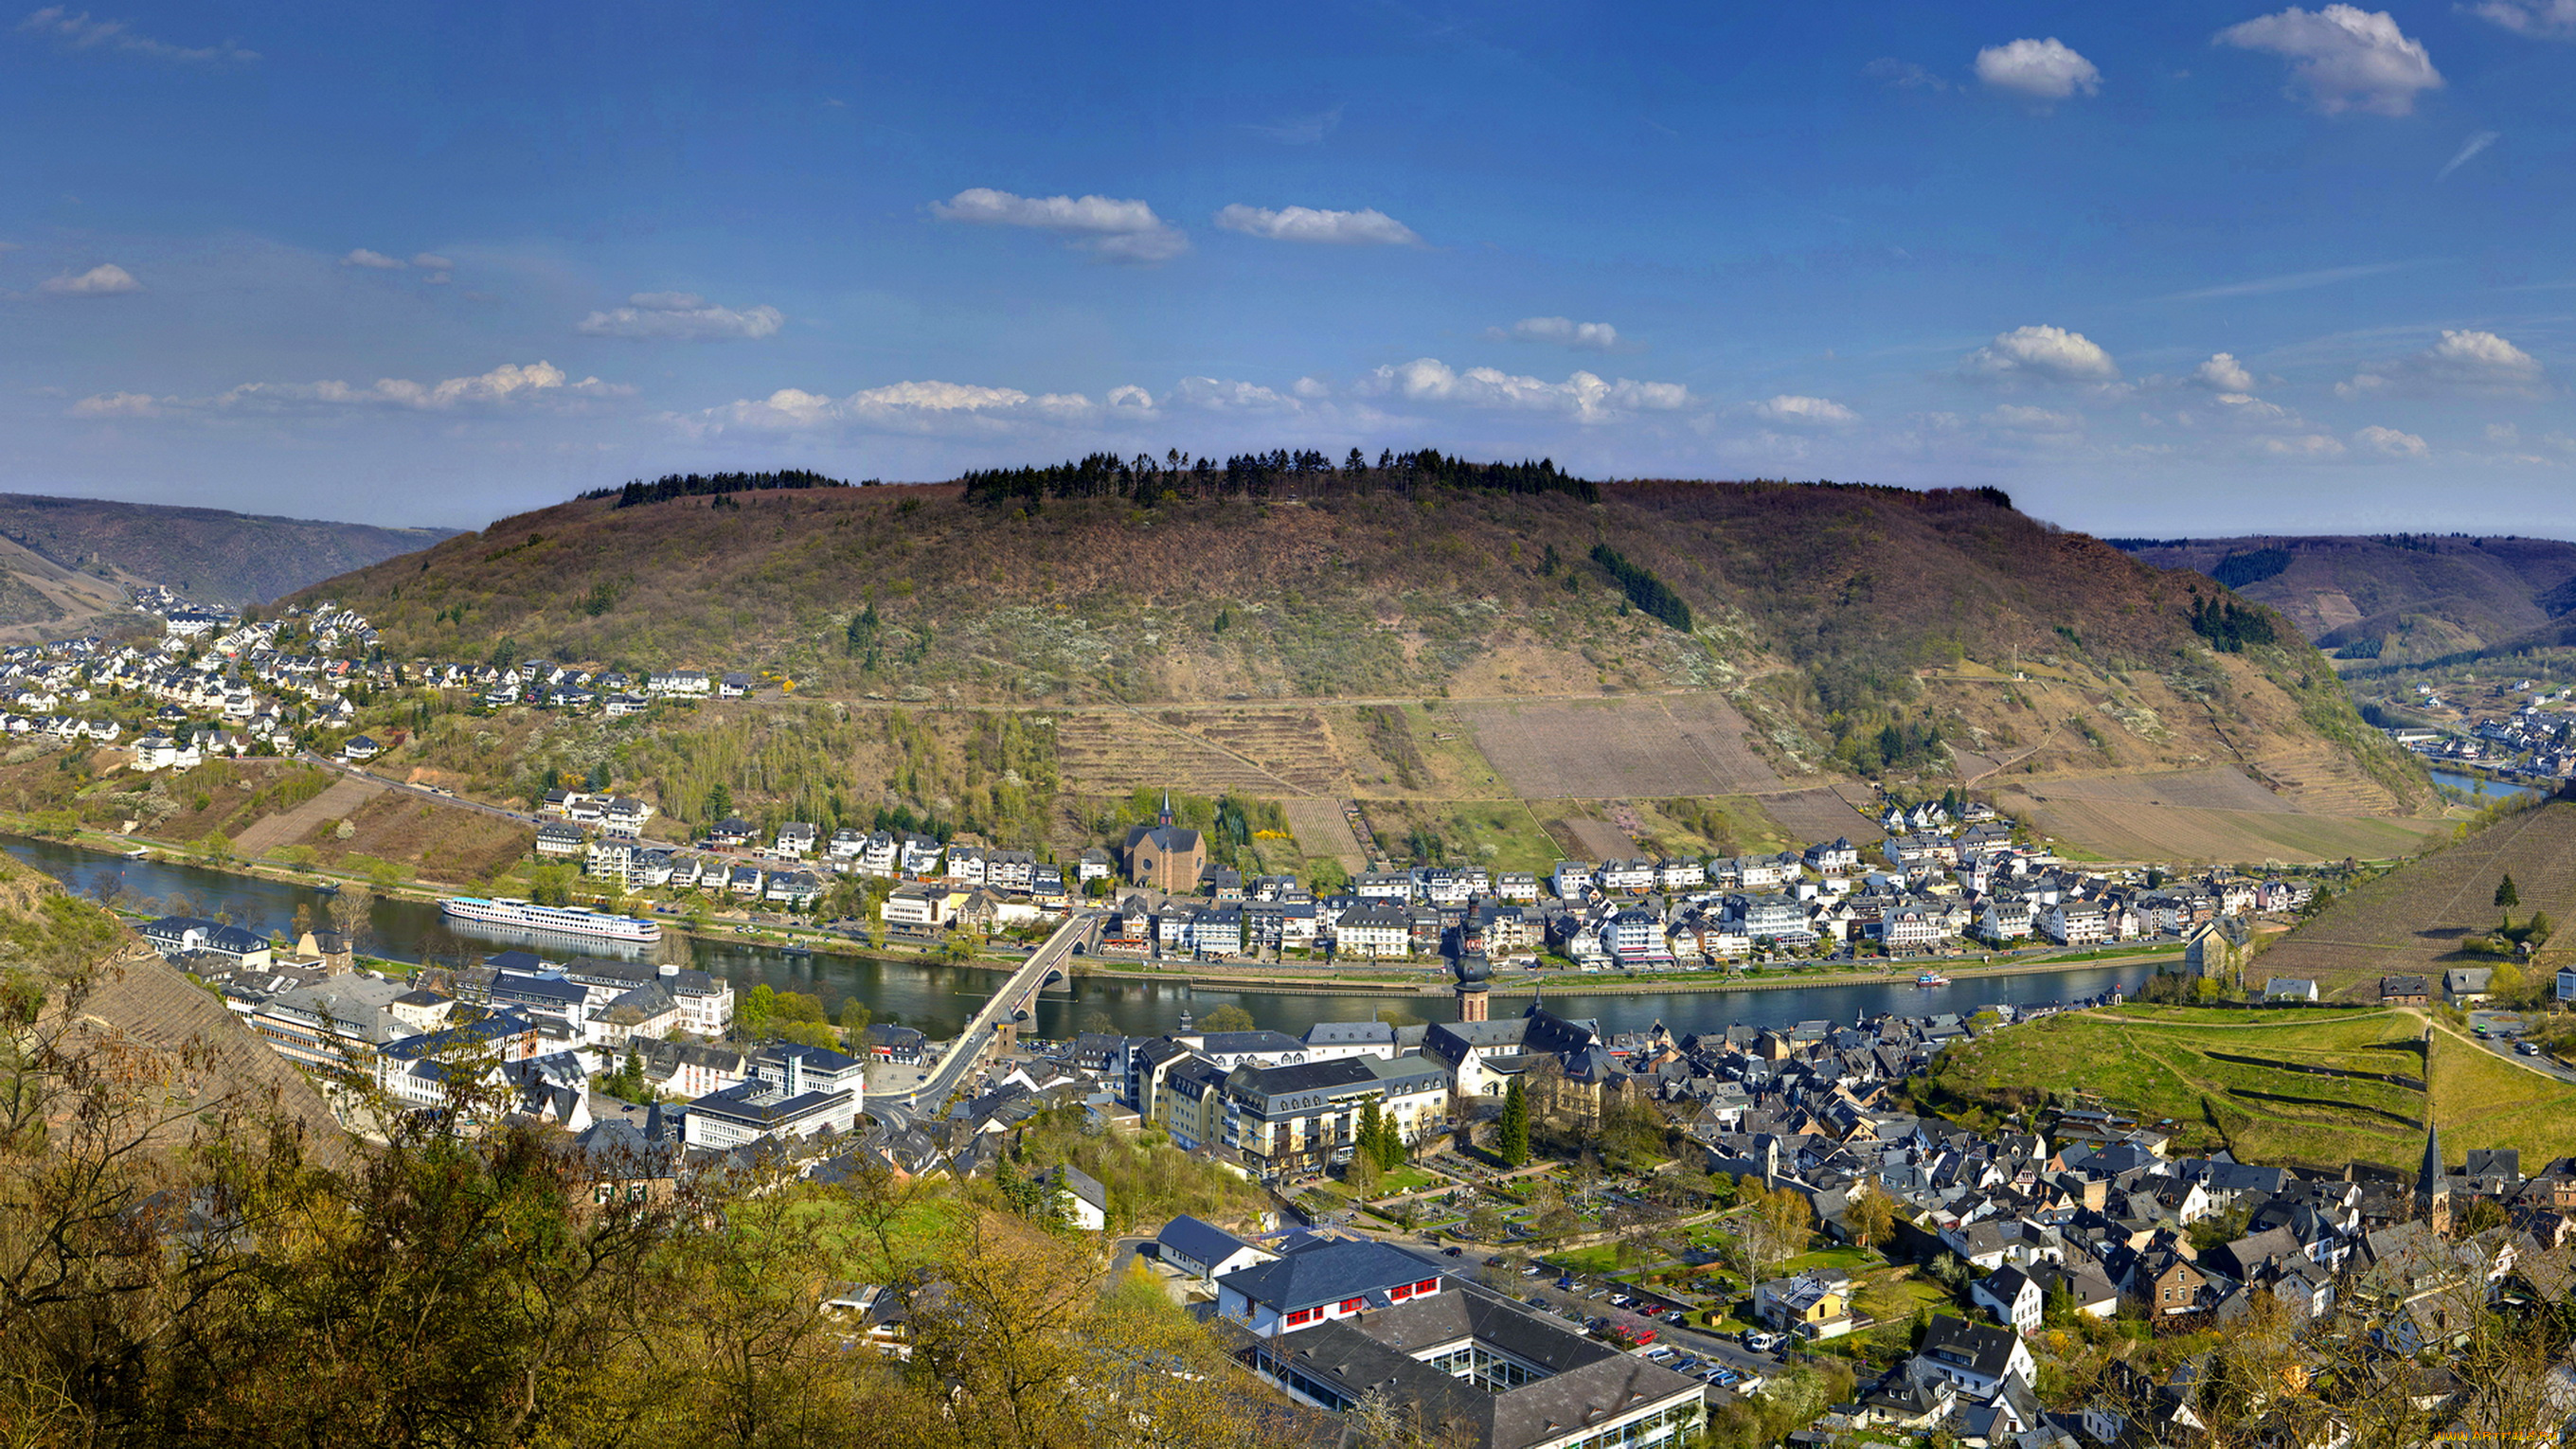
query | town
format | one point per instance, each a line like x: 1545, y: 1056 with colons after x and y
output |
x: 1612, y: 1238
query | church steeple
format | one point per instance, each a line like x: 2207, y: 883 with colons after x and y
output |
x: 1167, y: 809
x: 2433, y: 1184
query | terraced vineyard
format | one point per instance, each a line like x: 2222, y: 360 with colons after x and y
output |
x: 1605, y: 749
x: 2413, y: 919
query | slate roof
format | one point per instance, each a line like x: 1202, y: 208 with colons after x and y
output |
x: 1983, y: 1349
x: 1328, y: 1272
x: 1198, y: 1241
x: 1587, y: 1382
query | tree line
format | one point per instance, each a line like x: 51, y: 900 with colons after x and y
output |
x: 708, y: 485
x: 1647, y: 592
x: 2230, y: 626
x: 1303, y: 473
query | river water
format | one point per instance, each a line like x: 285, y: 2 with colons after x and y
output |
x: 2482, y: 787
x: 938, y: 999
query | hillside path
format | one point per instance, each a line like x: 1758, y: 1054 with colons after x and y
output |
x: 286, y: 827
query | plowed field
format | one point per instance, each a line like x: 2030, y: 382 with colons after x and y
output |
x: 1613, y: 748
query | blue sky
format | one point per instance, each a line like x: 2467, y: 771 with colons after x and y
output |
x: 2179, y: 269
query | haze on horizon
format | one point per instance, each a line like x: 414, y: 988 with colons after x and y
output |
x: 2200, y: 268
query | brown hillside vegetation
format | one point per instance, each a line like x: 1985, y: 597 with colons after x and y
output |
x: 1854, y: 630
x: 151, y: 1052
x: 2409, y: 597
x: 2415, y: 919
x: 209, y: 554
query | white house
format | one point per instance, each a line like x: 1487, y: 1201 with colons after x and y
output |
x: 2013, y: 1297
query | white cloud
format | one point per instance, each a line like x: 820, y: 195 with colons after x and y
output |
x: 2247, y: 408
x: 1311, y: 388
x: 2039, y: 70
x: 2504, y: 435
x: 1126, y: 231
x: 373, y: 261
x: 2223, y: 373
x: 1305, y: 224
x: 2309, y: 446
x: 1582, y: 396
x: 2049, y: 353
x: 104, y: 280
x: 1560, y: 331
x: 2391, y: 443
x: 2342, y: 57
x: 80, y: 32
x: 918, y: 407
x: 682, y: 317
x: 2550, y: 19
x: 1807, y: 411
x: 1221, y: 396
x: 432, y: 262
x: 2032, y: 420
x: 118, y: 405
x: 508, y: 384
x: 2469, y: 149
x: 2463, y: 360
x: 1903, y: 74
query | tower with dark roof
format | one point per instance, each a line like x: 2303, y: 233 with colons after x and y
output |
x: 2432, y: 1184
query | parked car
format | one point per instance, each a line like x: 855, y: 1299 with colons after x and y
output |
x: 1759, y: 1341
x: 1455, y: 1252
x: 1495, y: 1261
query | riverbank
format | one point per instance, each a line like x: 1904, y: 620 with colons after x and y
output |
x: 938, y: 996
x: 1600, y: 983
x: 1374, y: 983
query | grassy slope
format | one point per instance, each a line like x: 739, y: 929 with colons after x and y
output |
x: 1817, y: 606
x: 2157, y: 1062
x: 207, y: 553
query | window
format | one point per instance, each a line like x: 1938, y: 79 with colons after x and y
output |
x: 1353, y: 1305
x: 1401, y: 1292
x: 1427, y: 1285
x: 1303, y: 1315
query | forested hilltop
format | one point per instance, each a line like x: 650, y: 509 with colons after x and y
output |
x: 1861, y: 631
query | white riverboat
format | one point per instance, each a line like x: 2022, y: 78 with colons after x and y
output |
x: 529, y: 916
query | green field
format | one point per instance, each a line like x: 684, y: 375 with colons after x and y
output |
x: 2171, y: 1062
x: 2485, y: 1100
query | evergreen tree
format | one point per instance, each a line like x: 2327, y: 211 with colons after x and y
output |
x: 1372, y: 1134
x: 1516, y: 1125
x: 2506, y: 898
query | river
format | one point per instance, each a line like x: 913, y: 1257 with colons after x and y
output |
x: 2480, y: 787
x: 938, y: 999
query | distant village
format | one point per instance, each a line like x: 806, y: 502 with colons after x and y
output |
x: 2534, y: 743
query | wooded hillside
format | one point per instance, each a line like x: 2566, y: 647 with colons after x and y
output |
x: 1862, y: 630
